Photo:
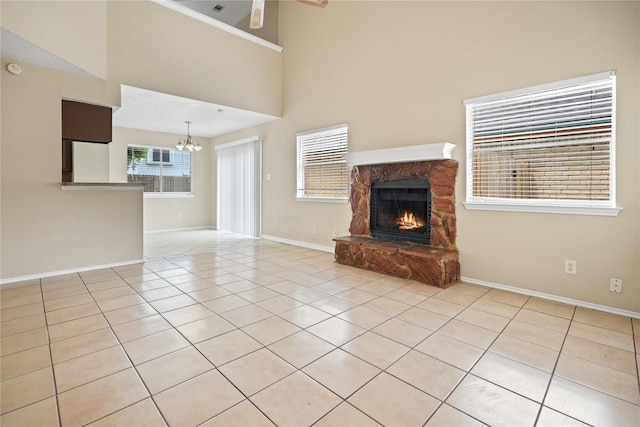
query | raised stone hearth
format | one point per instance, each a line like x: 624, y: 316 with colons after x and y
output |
x: 436, y: 264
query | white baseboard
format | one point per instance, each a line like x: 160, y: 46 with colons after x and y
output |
x: 206, y: 227
x: 307, y: 245
x: 555, y: 298
x: 61, y: 272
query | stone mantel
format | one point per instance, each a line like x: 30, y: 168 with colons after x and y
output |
x: 412, y: 153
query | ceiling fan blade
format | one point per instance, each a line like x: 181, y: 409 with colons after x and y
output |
x: 257, y: 14
x: 256, y: 19
x: 317, y: 3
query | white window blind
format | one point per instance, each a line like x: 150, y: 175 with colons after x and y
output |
x: 239, y: 187
x: 322, y: 166
x: 550, y: 145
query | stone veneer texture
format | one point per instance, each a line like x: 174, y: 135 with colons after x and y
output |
x: 436, y: 264
x: 441, y: 175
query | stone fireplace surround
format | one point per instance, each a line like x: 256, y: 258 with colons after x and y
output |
x: 436, y: 264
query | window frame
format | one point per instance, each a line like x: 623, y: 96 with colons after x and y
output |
x: 300, y: 188
x: 161, y: 164
x: 562, y: 206
x: 160, y: 150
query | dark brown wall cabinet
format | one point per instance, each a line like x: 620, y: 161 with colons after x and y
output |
x: 86, y: 122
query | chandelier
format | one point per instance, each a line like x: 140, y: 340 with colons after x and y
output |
x: 187, y: 143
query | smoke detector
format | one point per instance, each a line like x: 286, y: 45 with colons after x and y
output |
x: 14, y: 69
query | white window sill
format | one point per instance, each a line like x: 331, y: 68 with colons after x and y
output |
x: 323, y: 199
x: 571, y: 210
x: 150, y: 195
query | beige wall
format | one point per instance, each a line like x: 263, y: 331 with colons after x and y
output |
x: 73, y: 30
x: 398, y: 73
x: 45, y: 229
x: 153, y: 47
x: 143, y: 44
x: 164, y: 213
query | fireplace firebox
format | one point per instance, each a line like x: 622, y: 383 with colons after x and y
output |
x: 401, y: 210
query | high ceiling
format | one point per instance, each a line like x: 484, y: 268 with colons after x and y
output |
x: 230, y: 12
x: 160, y: 112
x: 149, y: 110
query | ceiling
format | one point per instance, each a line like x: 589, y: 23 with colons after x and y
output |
x: 230, y: 12
x: 140, y: 108
x: 20, y: 50
x: 160, y: 112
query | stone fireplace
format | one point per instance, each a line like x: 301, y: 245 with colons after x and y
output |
x: 403, y: 214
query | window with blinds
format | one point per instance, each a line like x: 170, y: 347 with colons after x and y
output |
x: 547, y: 146
x: 163, y: 171
x: 322, y: 166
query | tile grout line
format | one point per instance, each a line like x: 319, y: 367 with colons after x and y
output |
x: 244, y: 251
x: 553, y: 373
x: 53, y: 372
x: 276, y: 355
x: 110, y: 327
x: 133, y: 365
x: 573, y: 320
x: 635, y: 348
x: 468, y: 371
x: 216, y: 367
x: 266, y: 348
x: 192, y: 345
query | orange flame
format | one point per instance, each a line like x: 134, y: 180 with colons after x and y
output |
x: 409, y: 221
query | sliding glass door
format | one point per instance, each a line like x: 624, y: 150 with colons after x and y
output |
x: 239, y: 204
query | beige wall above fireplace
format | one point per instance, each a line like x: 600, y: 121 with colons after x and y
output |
x: 405, y: 85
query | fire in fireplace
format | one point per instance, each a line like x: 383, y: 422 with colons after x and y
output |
x: 401, y: 210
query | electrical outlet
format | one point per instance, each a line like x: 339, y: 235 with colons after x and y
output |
x: 615, y: 285
x: 180, y: 217
x: 314, y: 229
x: 335, y: 233
x: 570, y: 266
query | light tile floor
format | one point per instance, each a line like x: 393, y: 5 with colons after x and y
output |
x: 218, y: 330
